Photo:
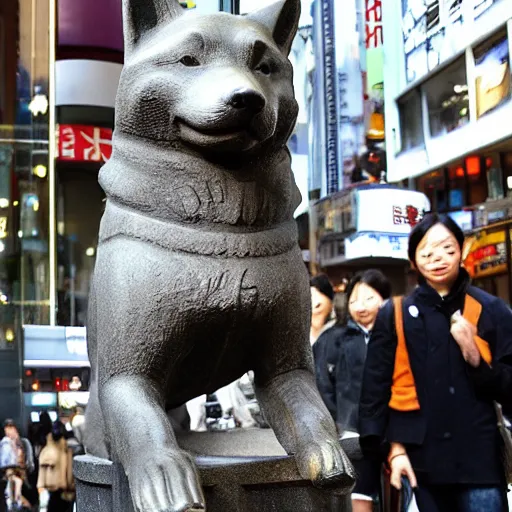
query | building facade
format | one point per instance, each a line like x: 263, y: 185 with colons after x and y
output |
x: 447, y: 106
x: 348, y: 149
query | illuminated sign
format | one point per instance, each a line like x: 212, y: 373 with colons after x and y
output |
x: 3, y: 227
x: 82, y: 143
x: 386, y: 210
x: 487, y: 255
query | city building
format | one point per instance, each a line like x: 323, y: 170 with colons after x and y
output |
x: 447, y: 109
x: 356, y: 220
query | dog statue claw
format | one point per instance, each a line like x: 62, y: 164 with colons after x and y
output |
x: 198, y: 276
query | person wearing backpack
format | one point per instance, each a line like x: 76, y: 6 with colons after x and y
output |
x: 438, y: 362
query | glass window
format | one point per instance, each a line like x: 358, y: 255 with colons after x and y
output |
x: 414, y: 29
x: 434, y: 187
x: 411, y: 127
x: 24, y: 220
x: 492, y: 72
x: 506, y: 164
x: 79, y: 209
x: 494, y: 177
x: 456, y: 186
x: 447, y: 99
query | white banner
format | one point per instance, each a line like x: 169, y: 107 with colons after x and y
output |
x: 389, y: 210
x: 376, y: 245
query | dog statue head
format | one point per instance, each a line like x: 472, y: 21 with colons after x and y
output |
x: 212, y: 83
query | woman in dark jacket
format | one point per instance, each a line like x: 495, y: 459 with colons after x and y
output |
x: 440, y: 430
x: 340, y: 354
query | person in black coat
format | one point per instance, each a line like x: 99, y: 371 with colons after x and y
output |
x: 448, y: 445
x: 340, y: 354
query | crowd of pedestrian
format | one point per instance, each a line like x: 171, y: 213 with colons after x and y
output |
x: 420, y: 386
x: 36, y: 471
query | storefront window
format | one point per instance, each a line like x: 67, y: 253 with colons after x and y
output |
x: 448, y: 99
x: 494, y: 177
x: 456, y: 187
x: 411, y: 127
x: 487, y: 262
x: 24, y: 236
x: 433, y: 185
x: 492, y: 71
x: 506, y: 163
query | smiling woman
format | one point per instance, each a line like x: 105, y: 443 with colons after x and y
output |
x: 452, y: 342
x: 435, y: 249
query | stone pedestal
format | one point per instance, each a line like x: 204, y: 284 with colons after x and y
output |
x: 231, y: 484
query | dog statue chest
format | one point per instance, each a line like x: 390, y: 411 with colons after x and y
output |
x: 183, y: 189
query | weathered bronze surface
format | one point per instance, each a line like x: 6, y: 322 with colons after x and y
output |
x: 199, y: 277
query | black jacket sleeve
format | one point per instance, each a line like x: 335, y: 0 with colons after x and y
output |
x: 377, y: 380
x: 495, y: 382
x: 322, y: 352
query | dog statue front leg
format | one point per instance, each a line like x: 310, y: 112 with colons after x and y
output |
x: 304, y: 427
x: 162, y: 477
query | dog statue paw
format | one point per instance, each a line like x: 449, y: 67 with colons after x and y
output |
x: 165, y: 481
x: 326, y: 465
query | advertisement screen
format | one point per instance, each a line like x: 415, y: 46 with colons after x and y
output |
x: 492, y: 70
x: 40, y: 399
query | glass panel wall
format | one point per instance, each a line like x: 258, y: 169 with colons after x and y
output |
x: 411, y: 126
x: 448, y: 99
x: 80, y: 204
x: 24, y: 240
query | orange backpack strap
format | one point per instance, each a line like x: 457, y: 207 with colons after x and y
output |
x: 472, y: 312
x: 403, y: 390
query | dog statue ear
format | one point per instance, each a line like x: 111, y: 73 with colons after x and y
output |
x: 282, y: 19
x: 142, y: 16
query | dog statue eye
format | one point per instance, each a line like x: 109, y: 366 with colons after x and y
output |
x: 264, y: 69
x: 189, y: 61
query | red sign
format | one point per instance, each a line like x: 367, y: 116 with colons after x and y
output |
x: 374, y: 31
x: 485, y: 252
x: 408, y: 215
x: 82, y: 143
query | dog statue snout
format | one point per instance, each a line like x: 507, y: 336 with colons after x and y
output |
x: 247, y: 99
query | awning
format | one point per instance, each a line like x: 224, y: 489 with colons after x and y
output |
x: 55, y: 347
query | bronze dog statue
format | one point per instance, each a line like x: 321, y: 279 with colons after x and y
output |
x: 199, y: 277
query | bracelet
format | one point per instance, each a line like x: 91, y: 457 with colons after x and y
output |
x: 395, y: 456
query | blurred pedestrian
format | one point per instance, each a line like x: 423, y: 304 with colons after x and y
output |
x: 56, y: 470
x: 437, y: 360
x: 340, y: 374
x: 44, y: 427
x: 78, y: 424
x: 16, y: 460
x: 322, y: 310
x: 323, y: 337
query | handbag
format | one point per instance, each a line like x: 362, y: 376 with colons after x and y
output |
x: 507, y: 442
